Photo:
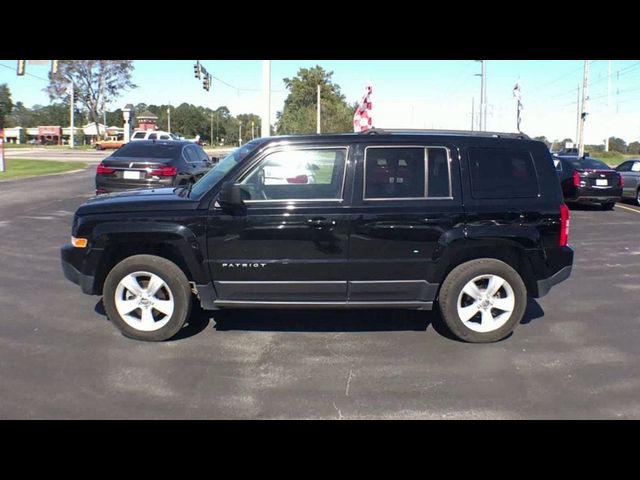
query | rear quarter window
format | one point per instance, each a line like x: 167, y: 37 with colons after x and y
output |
x: 502, y: 173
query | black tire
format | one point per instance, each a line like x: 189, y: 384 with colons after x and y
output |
x: 174, y: 278
x: 638, y: 197
x: 456, y: 281
x: 608, y: 205
x: 99, y: 147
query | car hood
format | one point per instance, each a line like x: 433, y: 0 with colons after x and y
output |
x: 139, y: 201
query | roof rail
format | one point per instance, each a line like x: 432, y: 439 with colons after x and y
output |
x: 389, y: 131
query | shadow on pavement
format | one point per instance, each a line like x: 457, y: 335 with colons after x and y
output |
x: 268, y: 320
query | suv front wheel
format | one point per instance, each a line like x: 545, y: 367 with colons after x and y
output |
x: 482, y: 300
x: 147, y: 297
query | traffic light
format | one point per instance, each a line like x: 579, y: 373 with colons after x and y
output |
x: 21, y: 65
x: 206, y: 82
x: 197, y: 70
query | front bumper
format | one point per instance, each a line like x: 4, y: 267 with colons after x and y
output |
x: 68, y: 256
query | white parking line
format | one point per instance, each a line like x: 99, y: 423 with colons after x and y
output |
x: 627, y: 208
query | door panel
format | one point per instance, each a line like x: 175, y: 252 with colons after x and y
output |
x: 282, y: 250
x: 394, y: 240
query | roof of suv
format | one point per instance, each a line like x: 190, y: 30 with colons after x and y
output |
x: 375, y: 132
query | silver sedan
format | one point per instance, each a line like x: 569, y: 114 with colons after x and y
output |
x: 630, y: 171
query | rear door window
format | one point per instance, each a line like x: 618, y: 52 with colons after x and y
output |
x: 406, y: 173
x: 502, y: 173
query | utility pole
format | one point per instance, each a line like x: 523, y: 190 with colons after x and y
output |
x: 252, y: 134
x: 217, y: 129
x: 606, y: 145
x: 240, y: 134
x: 577, y: 116
x: 211, y: 137
x: 266, y: 97
x: 473, y: 106
x: 169, y: 118
x: 483, y: 101
x: 318, y: 114
x: 583, y: 113
x: 71, y: 137
x: 484, y: 96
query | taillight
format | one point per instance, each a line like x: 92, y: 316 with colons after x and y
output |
x: 576, y: 179
x: 298, y: 179
x: 564, y: 225
x: 620, y: 180
x: 102, y: 169
x: 164, y: 172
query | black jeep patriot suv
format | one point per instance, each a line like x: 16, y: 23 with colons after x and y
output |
x: 388, y: 219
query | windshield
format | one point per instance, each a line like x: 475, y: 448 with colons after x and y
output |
x: 588, y: 164
x: 214, y: 175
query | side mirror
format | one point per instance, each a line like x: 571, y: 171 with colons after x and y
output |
x: 230, y: 199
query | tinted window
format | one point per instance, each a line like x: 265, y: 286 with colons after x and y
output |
x: 139, y: 135
x: 311, y: 174
x: 190, y: 154
x: 394, y: 173
x: 148, y: 150
x: 588, y: 163
x: 625, y: 167
x: 438, y: 181
x: 201, y: 154
x: 502, y: 173
x: 399, y: 172
x: 152, y: 136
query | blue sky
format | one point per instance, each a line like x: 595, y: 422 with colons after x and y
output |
x: 407, y: 93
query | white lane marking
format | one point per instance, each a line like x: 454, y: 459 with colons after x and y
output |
x: 627, y: 208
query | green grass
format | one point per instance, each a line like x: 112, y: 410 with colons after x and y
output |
x: 26, y: 167
x: 15, y: 146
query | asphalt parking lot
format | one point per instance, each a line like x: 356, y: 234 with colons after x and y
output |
x: 576, y: 355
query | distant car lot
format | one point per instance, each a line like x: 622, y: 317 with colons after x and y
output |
x: 576, y: 356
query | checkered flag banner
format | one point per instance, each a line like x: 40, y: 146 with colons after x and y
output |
x: 362, y: 119
x: 518, y: 94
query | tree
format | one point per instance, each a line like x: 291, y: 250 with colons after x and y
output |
x: 544, y: 140
x: 617, y: 145
x: 6, y: 105
x: 634, y: 148
x: 299, y: 112
x: 96, y: 82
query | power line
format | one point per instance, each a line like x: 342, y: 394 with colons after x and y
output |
x: 26, y: 73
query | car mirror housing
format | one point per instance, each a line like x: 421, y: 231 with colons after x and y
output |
x: 230, y: 199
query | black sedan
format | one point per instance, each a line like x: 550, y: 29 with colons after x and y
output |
x: 152, y: 164
x: 587, y: 180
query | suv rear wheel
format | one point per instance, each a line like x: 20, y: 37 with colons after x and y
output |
x: 482, y: 300
x: 147, y: 297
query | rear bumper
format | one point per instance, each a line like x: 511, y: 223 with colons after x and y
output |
x: 545, y: 284
x: 106, y: 186
x: 595, y: 195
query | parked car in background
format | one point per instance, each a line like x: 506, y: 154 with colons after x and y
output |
x: 111, y: 142
x: 152, y: 135
x: 630, y: 172
x: 152, y: 164
x: 587, y: 180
